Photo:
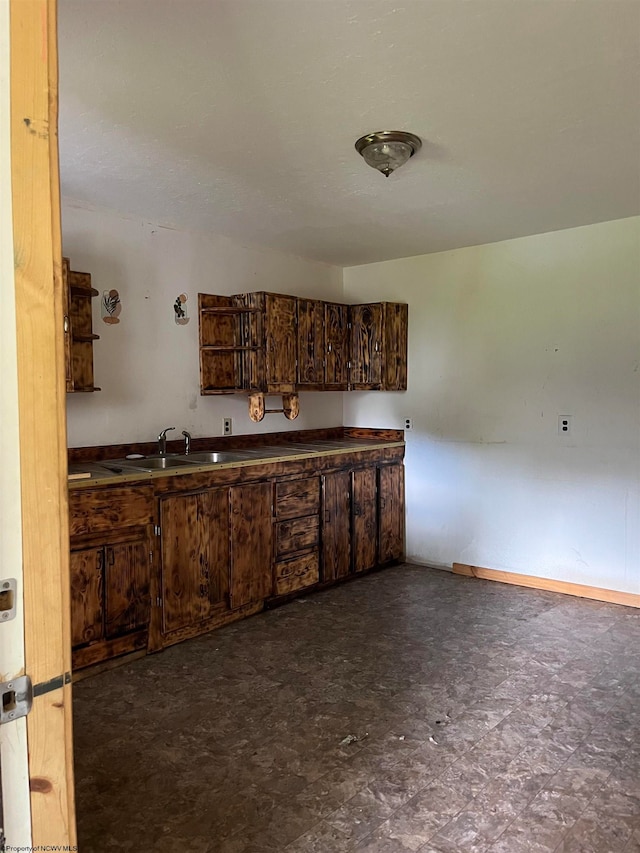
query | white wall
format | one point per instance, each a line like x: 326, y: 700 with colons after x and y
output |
x: 503, y: 338
x: 147, y: 366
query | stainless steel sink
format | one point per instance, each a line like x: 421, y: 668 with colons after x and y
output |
x: 147, y: 463
x: 213, y: 456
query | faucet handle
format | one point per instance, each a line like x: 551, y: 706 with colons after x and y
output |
x: 163, y: 432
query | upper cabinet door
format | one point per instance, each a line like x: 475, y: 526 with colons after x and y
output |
x: 310, y: 342
x: 281, y: 343
x: 396, y: 318
x: 366, y: 347
x: 336, y: 331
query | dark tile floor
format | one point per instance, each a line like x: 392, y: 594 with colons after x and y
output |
x: 487, y: 717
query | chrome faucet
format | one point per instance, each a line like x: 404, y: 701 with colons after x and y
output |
x: 187, y: 441
x: 162, y: 441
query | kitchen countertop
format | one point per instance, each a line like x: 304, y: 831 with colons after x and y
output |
x: 247, y: 457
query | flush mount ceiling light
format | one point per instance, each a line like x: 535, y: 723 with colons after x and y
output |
x: 387, y: 150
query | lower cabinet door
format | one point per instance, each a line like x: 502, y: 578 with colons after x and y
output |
x: 185, y: 533
x: 391, y: 512
x: 365, y: 519
x: 126, y: 590
x: 251, y: 543
x: 336, y: 525
x: 87, y: 615
x: 195, y: 556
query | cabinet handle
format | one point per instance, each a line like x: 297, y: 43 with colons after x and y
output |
x: 329, y: 348
x: 383, y: 503
x: 66, y: 324
x: 377, y: 346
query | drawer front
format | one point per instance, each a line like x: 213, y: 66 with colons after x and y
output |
x: 296, y: 498
x: 297, y: 574
x: 299, y: 534
x: 100, y: 510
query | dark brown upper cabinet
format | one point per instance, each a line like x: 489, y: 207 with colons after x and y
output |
x: 336, y: 330
x: 247, y: 343
x: 276, y: 344
x: 78, y: 329
x: 379, y: 347
x: 230, y: 336
x: 310, y: 343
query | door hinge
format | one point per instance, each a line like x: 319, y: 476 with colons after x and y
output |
x: 17, y: 698
x: 158, y: 601
x: 156, y: 529
x: 8, y: 589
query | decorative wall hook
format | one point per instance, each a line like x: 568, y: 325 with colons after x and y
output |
x: 181, y: 314
x: 111, y: 307
x: 290, y: 407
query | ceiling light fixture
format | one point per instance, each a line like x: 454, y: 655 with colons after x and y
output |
x: 387, y: 150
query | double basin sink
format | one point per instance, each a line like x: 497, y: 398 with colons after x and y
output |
x: 171, y: 460
x: 183, y: 462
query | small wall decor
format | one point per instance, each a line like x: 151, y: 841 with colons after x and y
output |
x: 180, y: 310
x: 111, y: 307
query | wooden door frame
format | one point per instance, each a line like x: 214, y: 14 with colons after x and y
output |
x: 42, y: 414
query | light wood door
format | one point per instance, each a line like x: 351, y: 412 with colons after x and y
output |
x: 336, y: 525
x: 87, y: 596
x: 126, y: 587
x: 30, y: 68
x: 365, y: 519
x: 251, y: 543
x: 391, y: 512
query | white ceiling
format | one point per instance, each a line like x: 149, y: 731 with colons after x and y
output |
x: 239, y: 117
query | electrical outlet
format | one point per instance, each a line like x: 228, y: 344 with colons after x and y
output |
x: 226, y: 426
x: 564, y: 424
x: 408, y: 423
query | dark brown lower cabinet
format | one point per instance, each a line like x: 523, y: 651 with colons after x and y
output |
x: 336, y: 525
x: 251, y: 543
x: 195, y: 556
x: 127, y: 602
x: 390, y: 513
x: 226, y: 547
x: 87, y: 597
x: 365, y: 519
x: 110, y: 591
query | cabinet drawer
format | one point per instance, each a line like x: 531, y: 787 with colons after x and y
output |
x: 299, y: 534
x: 297, y: 574
x: 296, y: 498
x: 100, y: 510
